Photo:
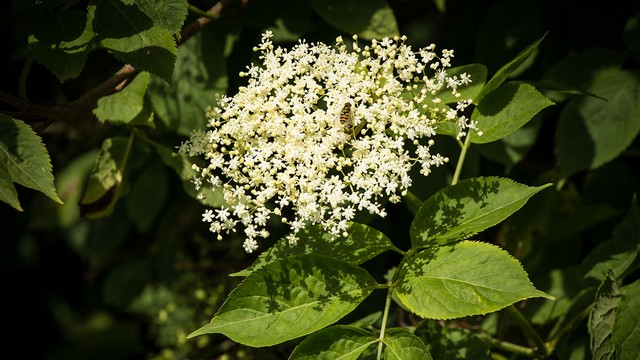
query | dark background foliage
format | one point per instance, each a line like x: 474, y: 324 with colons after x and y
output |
x: 135, y: 283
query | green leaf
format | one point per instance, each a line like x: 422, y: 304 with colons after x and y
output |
x: 478, y: 74
x: 60, y: 41
x: 132, y: 38
x: 288, y: 299
x: 576, y: 72
x: 462, y: 210
x: 512, y: 148
x: 335, y: 342
x: 8, y: 193
x: 371, y: 19
x: 401, y: 344
x: 126, y: 106
x: 463, y: 279
x: 200, y: 74
x: 447, y: 343
x: 169, y: 14
x: 626, y: 328
x: 592, y: 132
x: 149, y: 191
x: 501, y: 75
x: 616, y: 255
x: 361, y: 244
x: 602, y: 317
x: 25, y: 159
x: 505, y: 110
x: 106, y: 178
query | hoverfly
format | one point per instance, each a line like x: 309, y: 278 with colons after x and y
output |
x: 346, y: 120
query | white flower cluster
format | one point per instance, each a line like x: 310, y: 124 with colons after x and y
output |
x: 319, y: 133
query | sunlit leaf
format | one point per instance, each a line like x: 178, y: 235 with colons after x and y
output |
x: 128, y: 105
x: 288, y: 299
x: 401, y: 344
x: 361, y: 244
x: 132, y: 37
x: 24, y: 160
x: 501, y: 75
x: 463, y: 279
x: 106, y: 178
x: 462, y: 210
x: 602, y: 318
x: 335, y: 342
x: 169, y: 14
x: 505, y: 110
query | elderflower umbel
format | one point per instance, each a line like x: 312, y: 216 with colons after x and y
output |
x: 289, y: 143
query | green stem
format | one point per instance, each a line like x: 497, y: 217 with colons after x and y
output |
x: 202, y: 13
x: 413, y: 202
x: 385, y: 316
x: 463, y: 153
x: 532, y: 334
x: 507, y: 346
x: 22, y: 86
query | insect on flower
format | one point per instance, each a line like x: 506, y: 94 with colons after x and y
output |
x: 346, y: 120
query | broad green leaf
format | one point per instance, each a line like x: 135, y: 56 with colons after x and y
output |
x: 501, y: 75
x: 463, y: 279
x: 288, y: 299
x: 128, y: 105
x: 8, y: 193
x: 591, y: 131
x: 576, y: 73
x: 616, y: 255
x: 505, y: 110
x: 60, y: 41
x: 460, y: 211
x: 25, y: 159
x: 106, y: 178
x: 134, y: 39
x: 601, y: 319
x: 368, y: 19
x: 361, y: 244
x: 447, y: 343
x: 401, y: 344
x: 626, y: 328
x: 335, y: 342
x: 200, y: 74
x: 169, y: 14
x: 478, y: 74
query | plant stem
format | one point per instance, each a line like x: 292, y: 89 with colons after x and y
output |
x: 385, y: 316
x: 532, y: 334
x: 413, y: 202
x: 463, y: 153
x: 22, y: 85
x: 505, y: 345
x: 202, y: 13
